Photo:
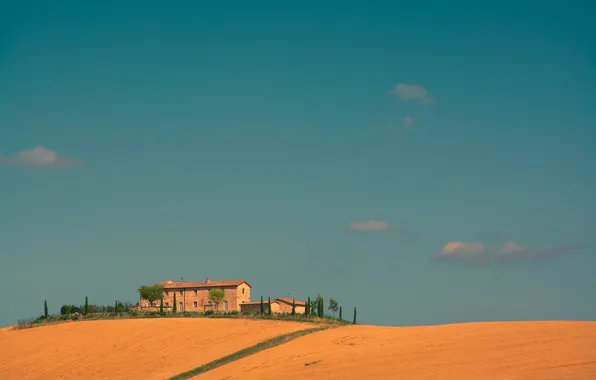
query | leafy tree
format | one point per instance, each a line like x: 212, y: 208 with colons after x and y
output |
x: 161, y: 304
x: 269, y: 310
x: 216, y: 296
x: 333, y: 306
x: 262, y: 306
x: 86, y: 310
x: 151, y: 292
x: 175, y: 307
x: 116, y: 307
x: 45, y: 309
x: 354, y: 314
x: 65, y: 309
x: 340, y: 317
x: 293, y: 307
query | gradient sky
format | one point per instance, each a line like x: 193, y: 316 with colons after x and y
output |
x: 429, y: 163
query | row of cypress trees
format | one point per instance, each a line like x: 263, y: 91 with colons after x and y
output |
x: 320, y: 310
x: 85, y: 308
x: 263, y: 306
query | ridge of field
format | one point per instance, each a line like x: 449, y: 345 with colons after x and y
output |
x: 545, y: 350
x: 128, y: 349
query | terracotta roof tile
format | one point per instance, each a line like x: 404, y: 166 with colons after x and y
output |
x: 289, y: 301
x: 201, y: 284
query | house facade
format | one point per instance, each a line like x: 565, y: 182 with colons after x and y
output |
x: 278, y: 305
x: 194, y: 296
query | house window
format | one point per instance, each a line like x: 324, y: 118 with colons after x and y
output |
x: 167, y: 304
x: 195, y: 304
x: 226, y: 305
x: 180, y: 305
x: 242, y: 290
x: 167, y: 292
x: 181, y: 292
x: 195, y: 292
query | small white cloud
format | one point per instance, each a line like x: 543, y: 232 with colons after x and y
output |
x: 510, y: 248
x: 407, y: 120
x: 39, y: 157
x: 460, y: 249
x: 370, y: 225
x: 412, y: 92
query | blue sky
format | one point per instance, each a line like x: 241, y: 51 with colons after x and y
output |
x: 429, y: 163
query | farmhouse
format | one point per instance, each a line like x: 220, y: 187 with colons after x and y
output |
x: 278, y: 305
x: 194, y: 296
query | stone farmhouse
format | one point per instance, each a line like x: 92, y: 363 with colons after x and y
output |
x: 194, y: 296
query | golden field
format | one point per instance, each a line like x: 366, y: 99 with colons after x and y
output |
x: 128, y: 349
x: 160, y: 348
x: 468, y: 351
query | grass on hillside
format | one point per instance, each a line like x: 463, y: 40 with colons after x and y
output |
x: 270, y: 343
x: 56, y: 319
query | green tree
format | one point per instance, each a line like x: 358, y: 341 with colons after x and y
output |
x: 262, y: 306
x: 307, y: 308
x: 293, y: 306
x: 354, y: 314
x: 65, y: 310
x: 116, y: 307
x: 161, y: 304
x: 333, y: 306
x: 269, y: 309
x: 45, y: 309
x: 151, y: 292
x: 175, y: 307
x: 86, y: 309
x: 321, y: 307
x: 216, y: 296
x: 340, y: 317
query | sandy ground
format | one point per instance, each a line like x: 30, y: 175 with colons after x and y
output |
x: 472, y: 351
x: 131, y: 349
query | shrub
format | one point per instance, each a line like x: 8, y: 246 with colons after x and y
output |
x: 65, y: 310
x: 209, y: 312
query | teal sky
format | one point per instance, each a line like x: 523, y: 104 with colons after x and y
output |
x: 429, y: 163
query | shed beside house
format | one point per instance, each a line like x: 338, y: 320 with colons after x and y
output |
x: 278, y: 305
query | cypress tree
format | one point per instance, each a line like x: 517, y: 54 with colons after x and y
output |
x: 321, y: 309
x: 269, y: 311
x: 86, y: 309
x: 175, y: 308
x: 161, y: 305
x: 340, y: 318
x: 262, y: 306
x: 116, y: 307
x: 354, y: 314
x: 293, y: 307
x: 45, y: 309
x: 307, y: 307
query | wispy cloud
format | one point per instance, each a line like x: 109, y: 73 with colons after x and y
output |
x: 370, y: 225
x: 39, y: 157
x: 407, y: 120
x: 413, y: 92
x: 477, y: 252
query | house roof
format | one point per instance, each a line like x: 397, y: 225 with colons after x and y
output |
x: 201, y: 284
x: 289, y: 301
x: 284, y: 300
x: 253, y: 303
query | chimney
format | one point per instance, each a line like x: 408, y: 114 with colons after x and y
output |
x: 208, y: 279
